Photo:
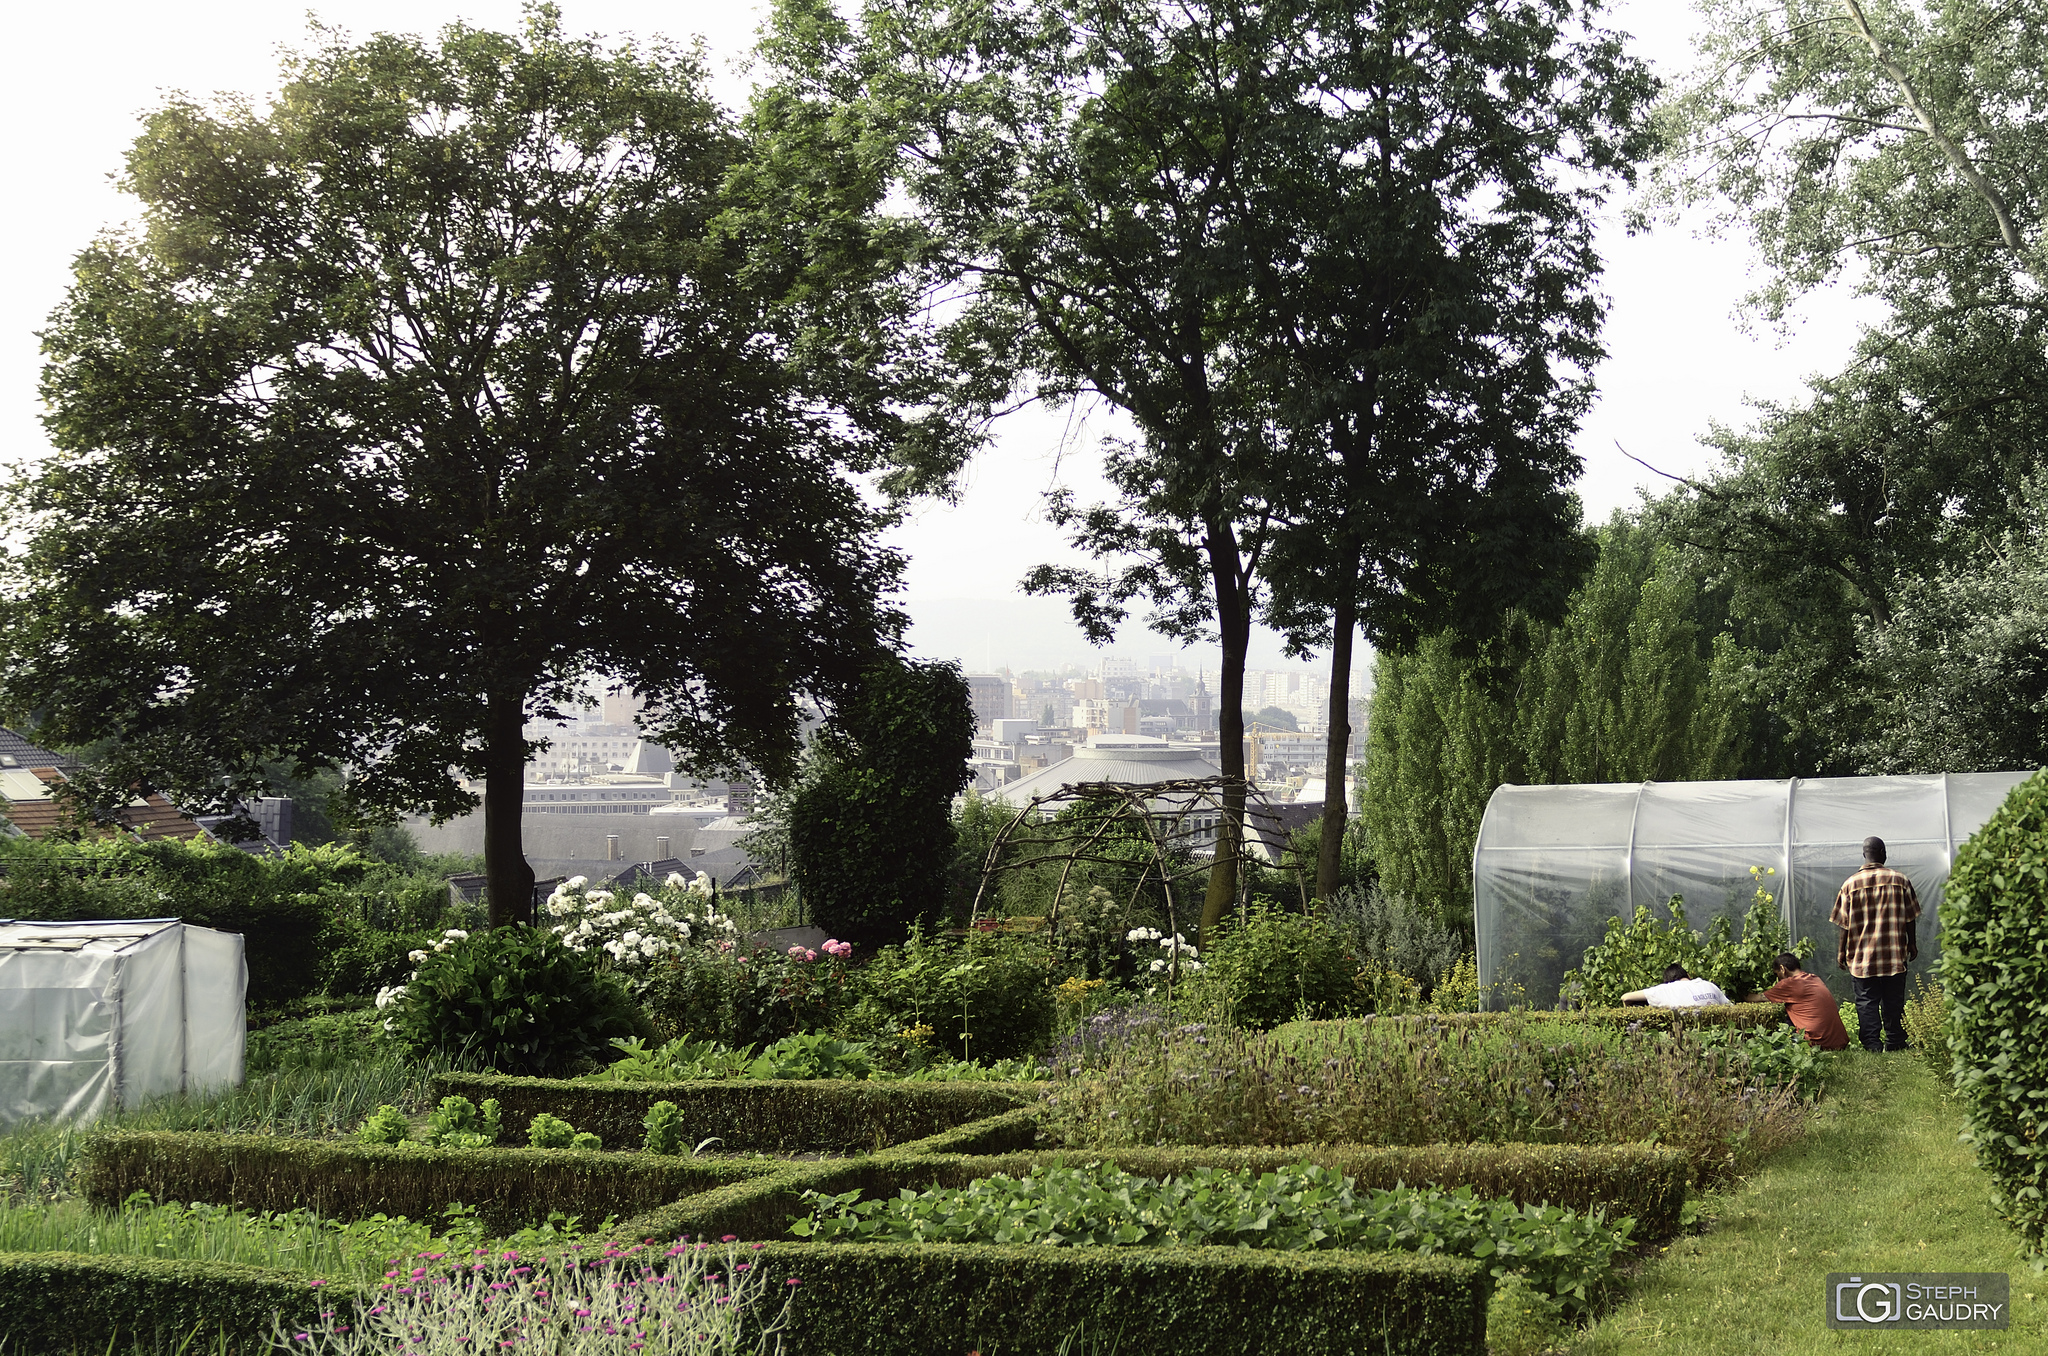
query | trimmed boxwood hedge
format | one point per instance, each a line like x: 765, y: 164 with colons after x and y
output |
x: 906, y: 1299
x: 59, y: 1302
x: 1748, y: 1016
x: 748, y: 1115
x: 510, y: 1188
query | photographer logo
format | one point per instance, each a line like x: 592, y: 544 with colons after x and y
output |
x: 1903, y: 1299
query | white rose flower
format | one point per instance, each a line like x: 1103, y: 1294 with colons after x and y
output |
x: 456, y: 935
x: 387, y: 996
x: 675, y: 880
x: 575, y: 882
x: 415, y: 956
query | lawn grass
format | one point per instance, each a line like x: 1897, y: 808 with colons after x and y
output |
x: 1879, y: 1183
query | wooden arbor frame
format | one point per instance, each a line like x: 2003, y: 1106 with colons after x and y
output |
x: 1030, y: 831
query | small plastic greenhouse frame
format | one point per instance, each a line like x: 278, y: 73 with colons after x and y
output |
x: 1553, y: 863
x: 99, y: 1015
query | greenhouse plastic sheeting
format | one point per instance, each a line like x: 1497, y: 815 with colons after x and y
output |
x: 1554, y: 863
x: 101, y: 1015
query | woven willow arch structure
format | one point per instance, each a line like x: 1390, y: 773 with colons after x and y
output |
x: 1177, y: 818
x: 1553, y: 863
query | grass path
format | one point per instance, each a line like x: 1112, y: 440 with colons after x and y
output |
x: 1878, y: 1184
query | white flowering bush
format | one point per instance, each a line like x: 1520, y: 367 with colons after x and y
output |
x: 633, y: 934
x: 1176, y: 947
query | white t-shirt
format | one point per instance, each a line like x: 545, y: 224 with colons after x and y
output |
x: 1685, y: 993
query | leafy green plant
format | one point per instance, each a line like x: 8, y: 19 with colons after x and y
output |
x: 1634, y: 955
x: 678, y: 1061
x: 455, y: 1124
x: 1776, y: 1056
x: 664, y: 1129
x: 988, y: 996
x: 1521, y: 1320
x: 515, y: 997
x: 1278, y: 966
x: 1927, y: 1029
x: 585, y: 1139
x: 322, y: 1041
x: 1994, y: 968
x: 1565, y: 1255
x: 812, y: 1054
x: 387, y: 1125
x: 550, y: 1132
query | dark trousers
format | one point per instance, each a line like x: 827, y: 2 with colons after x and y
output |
x: 1881, y: 1004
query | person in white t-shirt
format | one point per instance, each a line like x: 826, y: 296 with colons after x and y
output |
x: 1679, y: 990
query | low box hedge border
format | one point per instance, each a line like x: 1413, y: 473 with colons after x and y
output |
x: 1748, y: 1016
x: 753, y: 1115
x: 62, y: 1302
x: 509, y: 1188
x: 896, y: 1299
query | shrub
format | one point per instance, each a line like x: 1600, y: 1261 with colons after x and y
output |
x: 1927, y: 1030
x: 508, y: 1187
x: 1385, y: 929
x: 1277, y: 966
x: 988, y: 996
x: 123, y: 1303
x: 1521, y: 1320
x: 1994, y: 969
x: 365, y: 959
x: 632, y: 936
x: 1297, y: 1208
x: 514, y: 997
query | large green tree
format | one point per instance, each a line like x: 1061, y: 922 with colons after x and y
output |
x: 1159, y: 207
x: 439, y: 385
x: 1639, y: 682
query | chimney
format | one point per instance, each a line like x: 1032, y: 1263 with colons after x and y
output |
x: 611, y: 847
x: 661, y: 849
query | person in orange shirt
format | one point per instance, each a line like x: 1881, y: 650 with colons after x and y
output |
x: 1808, y: 1002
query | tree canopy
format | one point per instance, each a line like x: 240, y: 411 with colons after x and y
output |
x: 440, y: 385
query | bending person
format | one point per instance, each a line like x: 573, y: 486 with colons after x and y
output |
x: 1808, y: 1002
x: 1679, y: 990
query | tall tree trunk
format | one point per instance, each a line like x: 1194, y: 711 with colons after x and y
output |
x: 509, y: 879
x: 1234, y: 627
x: 1336, y: 760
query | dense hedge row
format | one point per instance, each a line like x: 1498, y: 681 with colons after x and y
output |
x: 63, y: 1302
x: 1746, y: 1016
x: 752, y: 1115
x: 891, y: 1299
x: 510, y: 1188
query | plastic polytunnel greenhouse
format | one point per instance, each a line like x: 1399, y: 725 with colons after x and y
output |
x: 1554, y: 863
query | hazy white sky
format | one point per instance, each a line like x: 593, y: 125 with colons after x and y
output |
x: 83, y: 73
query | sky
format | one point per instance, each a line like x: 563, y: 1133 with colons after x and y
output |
x: 1680, y: 359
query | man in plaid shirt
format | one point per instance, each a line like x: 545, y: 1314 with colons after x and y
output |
x: 1879, y: 915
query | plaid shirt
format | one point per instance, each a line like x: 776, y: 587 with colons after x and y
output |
x: 1877, y: 911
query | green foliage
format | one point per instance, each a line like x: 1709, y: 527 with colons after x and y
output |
x: 1381, y: 928
x: 387, y: 1126
x: 1273, y: 718
x: 745, y: 997
x: 514, y: 997
x: 585, y: 1140
x: 766, y: 1115
x: 870, y: 824
x: 410, y: 643
x: 455, y: 1124
x: 986, y: 997
x: 1637, y: 683
x: 1276, y: 967
x: 1634, y: 955
x: 550, y: 1132
x: 1521, y: 1320
x: 1956, y: 677
x: 111, y: 1302
x: 1927, y: 1030
x: 1994, y: 969
x: 664, y: 1122
x: 507, y: 1188
x: 1776, y: 1056
x: 325, y: 1041
x: 1303, y: 1206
